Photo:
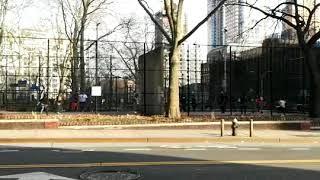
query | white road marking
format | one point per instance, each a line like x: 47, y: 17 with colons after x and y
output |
x: 88, y: 150
x: 66, y: 151
x: 9, y: 150
x: 196, y: 149
x: 75, y: 151
x: 35, y: 176
x: 227, y: 147
x: 164, y: 146
x: 138, y: 149
x: 299, y: 149
x: 249, y: 149
x: 174, y: 147
x: 218, y: 146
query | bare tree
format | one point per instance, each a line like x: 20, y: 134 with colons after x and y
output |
x: 300, y: 19
x: 135, y: 36
x: 174, y: 12
x: 3, y: 14
x: 76, y: 16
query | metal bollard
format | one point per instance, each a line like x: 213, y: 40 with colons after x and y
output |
x: 222, y: 127
x: 234, y: 126
x: 251, y: 127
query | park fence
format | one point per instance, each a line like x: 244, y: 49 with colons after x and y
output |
x: 134, y: 76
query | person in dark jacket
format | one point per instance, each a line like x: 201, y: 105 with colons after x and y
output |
x: 222, y: 101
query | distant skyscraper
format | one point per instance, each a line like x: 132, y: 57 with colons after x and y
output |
x: 226, y: 25
x: 232, y: 24
x: 215, y: 24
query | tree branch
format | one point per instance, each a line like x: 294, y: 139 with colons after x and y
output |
x: 314, y: 39
x: 169, y: 15
x: 312, y: 12
x: 166, y: 35
x: 64, y: 20
x: 118, y: 27
x: 201, y: 22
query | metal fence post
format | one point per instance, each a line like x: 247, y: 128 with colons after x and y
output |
x: 188, y: 79
x: 48, y: 71
x: 271, y: 87
x: 39, y: 78
x: 96, y: 72
x: 230, y: 80
x: 144, y: 79
x: 116, y: 89
x: 111, y: 83
x: 6, y: 99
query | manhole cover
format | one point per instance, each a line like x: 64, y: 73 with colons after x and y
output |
x: 110, y: 175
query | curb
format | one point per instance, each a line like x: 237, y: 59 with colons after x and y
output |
x: 286, y: 125
x: 314, y: 141
x: 6, y: 124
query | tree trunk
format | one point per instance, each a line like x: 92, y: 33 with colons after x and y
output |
x: 75, y: 69
x: 173, y: 104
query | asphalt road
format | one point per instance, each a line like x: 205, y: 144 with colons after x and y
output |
x: 166, y: 161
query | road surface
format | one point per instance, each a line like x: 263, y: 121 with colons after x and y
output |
x: 166, y: 161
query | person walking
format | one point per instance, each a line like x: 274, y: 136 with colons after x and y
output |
x: 83, y: 101
x: 43, y: 103
x: 282, y: 106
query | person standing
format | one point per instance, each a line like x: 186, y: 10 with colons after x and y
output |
x: 243, y: 104
x: 83, y: 101
x: 222, y: 100
x: 260, y: 104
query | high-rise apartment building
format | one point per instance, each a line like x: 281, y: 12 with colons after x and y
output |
x: 216, y: 24
x: 226, y: 25
x: 233, y: 24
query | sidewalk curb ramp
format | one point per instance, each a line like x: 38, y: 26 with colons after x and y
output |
x: 227, y: 139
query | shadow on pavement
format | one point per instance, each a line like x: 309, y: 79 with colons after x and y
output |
x: 220, y: 171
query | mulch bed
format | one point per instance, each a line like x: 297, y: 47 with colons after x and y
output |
x: 80, y: 119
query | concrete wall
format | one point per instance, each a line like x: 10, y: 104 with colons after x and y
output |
x: 151, y: 71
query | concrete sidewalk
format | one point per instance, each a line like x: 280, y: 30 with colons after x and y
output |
x: 154, y: 136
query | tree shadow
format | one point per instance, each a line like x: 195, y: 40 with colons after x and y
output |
x: 167, y: 171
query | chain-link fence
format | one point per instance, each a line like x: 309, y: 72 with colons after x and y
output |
x: 134, y: 76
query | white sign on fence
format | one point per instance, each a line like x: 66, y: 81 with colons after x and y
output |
x: 96, y: 91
